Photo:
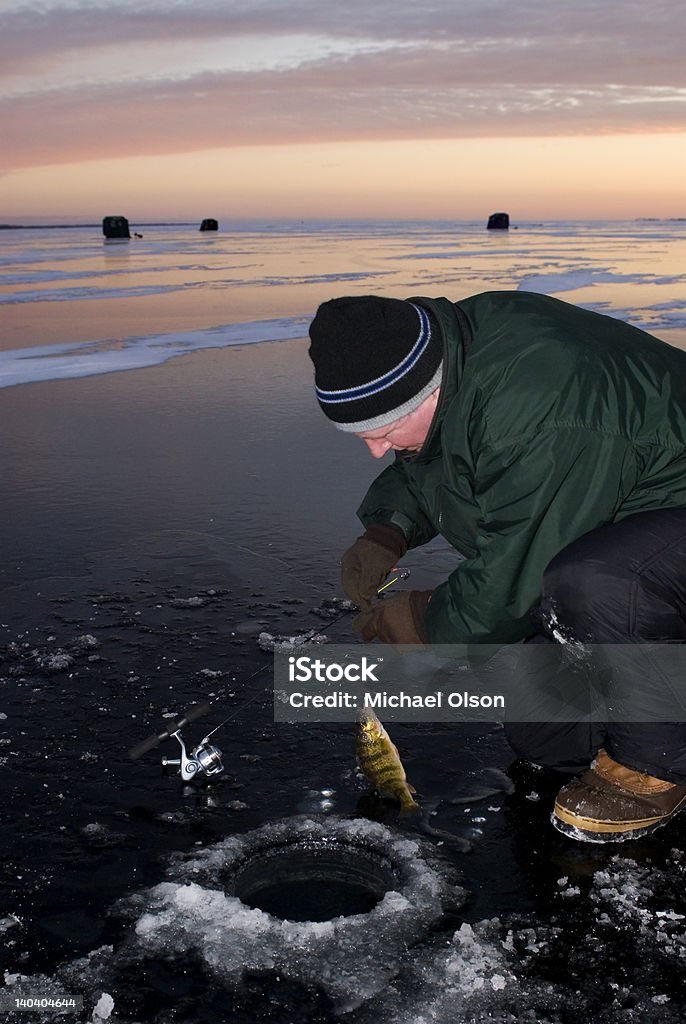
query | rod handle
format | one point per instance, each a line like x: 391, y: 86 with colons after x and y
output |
x: 142, y: 748
x: 190, y: 715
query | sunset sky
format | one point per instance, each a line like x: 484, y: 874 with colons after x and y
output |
x: 309, y: 108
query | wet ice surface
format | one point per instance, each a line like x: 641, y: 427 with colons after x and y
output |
x: 113, y: 886
x: 600, y: 265
x: 332, y: 609
x: 158, y: 523
x: 111, y: 869
x: 608, y: 952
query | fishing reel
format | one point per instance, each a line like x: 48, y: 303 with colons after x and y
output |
x: 205, y: 759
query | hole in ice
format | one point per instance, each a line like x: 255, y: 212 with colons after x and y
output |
x: 314, y: 880
x: 405, y: 889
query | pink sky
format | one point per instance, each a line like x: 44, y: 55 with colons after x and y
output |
x: 309, y: 108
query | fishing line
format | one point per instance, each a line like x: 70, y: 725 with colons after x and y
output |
x: 299, y: 642
x: 281, y: 561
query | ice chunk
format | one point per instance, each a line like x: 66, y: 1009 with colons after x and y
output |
x: 85, y: 642
x: 467, y: 978
x: 103, y: 1008
x: 334, y: 608
x: 60, y: 661
x: 277, y: 642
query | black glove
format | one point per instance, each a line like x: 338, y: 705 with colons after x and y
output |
x: 395, y: 620
x: 367, y: 562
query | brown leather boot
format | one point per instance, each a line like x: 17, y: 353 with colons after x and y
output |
x: 611, y: 803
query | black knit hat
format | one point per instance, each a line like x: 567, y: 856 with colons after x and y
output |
x: 375, y: 360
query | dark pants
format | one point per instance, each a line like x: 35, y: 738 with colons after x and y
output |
x: 621, y: 584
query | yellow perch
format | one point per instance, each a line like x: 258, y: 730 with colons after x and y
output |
x: 379, y: 759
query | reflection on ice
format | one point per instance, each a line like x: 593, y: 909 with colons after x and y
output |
x: 316, y: 801
x: 599, y: 265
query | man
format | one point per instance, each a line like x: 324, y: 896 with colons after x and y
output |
x: 547, y: 444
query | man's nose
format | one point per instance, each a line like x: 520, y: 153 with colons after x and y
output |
x: 377, y: 448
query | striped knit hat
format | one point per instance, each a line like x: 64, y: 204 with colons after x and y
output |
x: 375, y: 360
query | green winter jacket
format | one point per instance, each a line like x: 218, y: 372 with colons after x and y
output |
x: 555, y: 421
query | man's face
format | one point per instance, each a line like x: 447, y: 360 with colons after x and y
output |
x: 405, y: 434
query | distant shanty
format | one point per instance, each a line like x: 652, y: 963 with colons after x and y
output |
x: 498, y: 222
x: 117, y: 227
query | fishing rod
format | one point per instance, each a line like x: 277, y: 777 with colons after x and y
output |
x: 205, y: 759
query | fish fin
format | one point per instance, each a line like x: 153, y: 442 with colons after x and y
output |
x: 411, y: 788
x: 407, y: 804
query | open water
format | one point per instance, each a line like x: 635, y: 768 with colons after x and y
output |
x: 169, y: 492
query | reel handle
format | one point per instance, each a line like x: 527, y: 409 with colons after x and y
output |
x: 190, y: 715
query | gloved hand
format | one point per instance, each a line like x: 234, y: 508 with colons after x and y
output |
x: 367, y: 562
x: 395, y: 620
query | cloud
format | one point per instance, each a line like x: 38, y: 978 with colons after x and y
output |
x: 93, y: 80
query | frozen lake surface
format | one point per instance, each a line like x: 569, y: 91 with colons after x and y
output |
x: 207, y: 290
x: 170, y: 492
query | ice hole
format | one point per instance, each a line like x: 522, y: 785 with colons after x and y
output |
x: 336, y: 904
x: 313, y: 880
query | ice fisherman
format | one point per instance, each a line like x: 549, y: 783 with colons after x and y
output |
x: 547, y: 444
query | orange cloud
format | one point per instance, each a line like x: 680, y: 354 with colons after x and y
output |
x: 151, y: 87
x: 382, y: 71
